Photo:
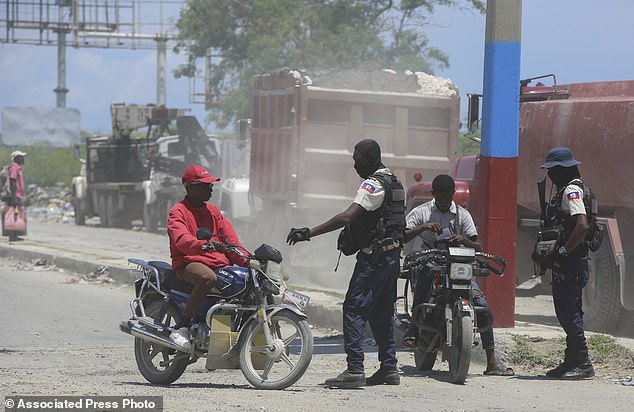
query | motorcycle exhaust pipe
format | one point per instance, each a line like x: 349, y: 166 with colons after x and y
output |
x: 151, y: 336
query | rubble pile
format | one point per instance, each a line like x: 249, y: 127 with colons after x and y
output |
x: 386, y: 80
x: 51, y: 203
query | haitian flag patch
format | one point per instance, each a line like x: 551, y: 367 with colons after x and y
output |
x: 573, y: 195
x: 368, y: 186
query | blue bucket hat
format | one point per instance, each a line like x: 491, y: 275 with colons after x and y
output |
x: 559, y: 156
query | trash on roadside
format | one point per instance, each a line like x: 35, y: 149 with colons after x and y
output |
x: 627, y: 381
x: 40, y: 262
x: 100, y: 275
x: 36, y: 265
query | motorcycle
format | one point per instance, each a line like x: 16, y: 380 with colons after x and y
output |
x: 446, y: 321
x: 250, y: 321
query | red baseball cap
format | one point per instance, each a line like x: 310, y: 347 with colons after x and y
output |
x: 198, y: 174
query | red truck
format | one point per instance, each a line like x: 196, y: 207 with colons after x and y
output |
x: 596, y: 120
x: 303, y: 130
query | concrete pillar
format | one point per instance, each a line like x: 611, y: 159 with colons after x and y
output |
x: 496, y: 205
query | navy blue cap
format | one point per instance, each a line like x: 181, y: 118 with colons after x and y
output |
x: 560, y: 156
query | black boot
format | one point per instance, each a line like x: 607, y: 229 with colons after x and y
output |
x: 384, y: 376
x: 347, y: 380
x: 583, y: 367
x: 567, y: 365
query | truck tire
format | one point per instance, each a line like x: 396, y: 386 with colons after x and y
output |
x: 102, y: 207
x: 117, y: 220
x: 601, y: 296
x: 80, y: 214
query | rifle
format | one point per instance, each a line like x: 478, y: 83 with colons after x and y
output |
x: 541, y: 191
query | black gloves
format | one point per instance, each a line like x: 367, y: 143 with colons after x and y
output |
x: 298, y: 235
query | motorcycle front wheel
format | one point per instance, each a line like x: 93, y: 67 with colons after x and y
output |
x: 460, y: 351
x: 424, y: 360
x: 286, y: 363
x: 159, y: 364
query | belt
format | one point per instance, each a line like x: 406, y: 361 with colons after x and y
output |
x: 382, y: 249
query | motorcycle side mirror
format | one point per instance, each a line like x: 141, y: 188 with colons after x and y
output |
x: 203, y: 233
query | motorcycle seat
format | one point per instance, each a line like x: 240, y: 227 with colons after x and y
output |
x: 168, y: 278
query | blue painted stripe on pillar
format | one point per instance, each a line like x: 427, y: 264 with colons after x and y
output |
x: 500, y: 107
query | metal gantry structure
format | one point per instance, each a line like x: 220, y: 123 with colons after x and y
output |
x: 125, y: 24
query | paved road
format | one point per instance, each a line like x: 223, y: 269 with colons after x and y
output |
x: 60, y: 337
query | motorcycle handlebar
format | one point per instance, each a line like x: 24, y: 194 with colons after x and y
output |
x: 424, y: 256
x: 497, y: 259
x: 227, y: 247
x: 427, y: 254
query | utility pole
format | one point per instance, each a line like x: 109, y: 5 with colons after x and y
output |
x: 93, y: 24
x: 61, y: 89
x: 161, y: 65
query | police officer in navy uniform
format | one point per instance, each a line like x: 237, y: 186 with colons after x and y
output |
x: 570, y: 263
x: 376, y: 222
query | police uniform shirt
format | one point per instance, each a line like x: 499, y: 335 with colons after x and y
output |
x: 572, y: 200
x: 429, y: 213
x: 371, y: 192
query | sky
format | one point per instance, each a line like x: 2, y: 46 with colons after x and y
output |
x: 578, y: 40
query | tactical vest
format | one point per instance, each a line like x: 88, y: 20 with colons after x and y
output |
x: 556, y: 216
x: 380, y: 228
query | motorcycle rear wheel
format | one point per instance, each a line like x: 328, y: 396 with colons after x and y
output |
x: 159, y: 364
x: 460, y: 351
x: 295, y: 351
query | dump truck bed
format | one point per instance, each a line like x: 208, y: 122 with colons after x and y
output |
x: 305, y: 126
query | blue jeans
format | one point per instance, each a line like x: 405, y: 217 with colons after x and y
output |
x: 370, y: 298
x: 484, y: 318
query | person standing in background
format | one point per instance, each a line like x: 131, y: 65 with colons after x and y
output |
x: 16, y: 185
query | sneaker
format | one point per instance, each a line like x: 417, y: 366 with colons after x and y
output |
x: 181, y: 338
x: 347, y: 380
x: 384, y: 377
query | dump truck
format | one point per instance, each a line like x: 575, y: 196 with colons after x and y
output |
x: 110, y: 184
x: 304, y: 127
x: 595, y: 120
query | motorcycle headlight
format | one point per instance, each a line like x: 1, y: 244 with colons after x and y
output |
x: 461, y: 271
x: 274, y: 271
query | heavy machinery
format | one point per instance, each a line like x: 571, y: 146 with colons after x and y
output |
x: 169, y: 157
x: 596, y: 121
x: 110, y: 184
x: 303, y: 130
x: 111, y: 178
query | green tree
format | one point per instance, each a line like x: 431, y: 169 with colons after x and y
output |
x: 45, y: 165
x: 255, y: 36
x: 469, y: 143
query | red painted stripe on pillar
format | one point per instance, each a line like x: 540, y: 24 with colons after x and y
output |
x: 495, y: 214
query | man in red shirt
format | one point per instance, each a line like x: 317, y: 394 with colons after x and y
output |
x: 190, y: 262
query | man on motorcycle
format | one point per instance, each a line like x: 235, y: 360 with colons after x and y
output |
x: 190, y: 262
x: 441, y: 223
